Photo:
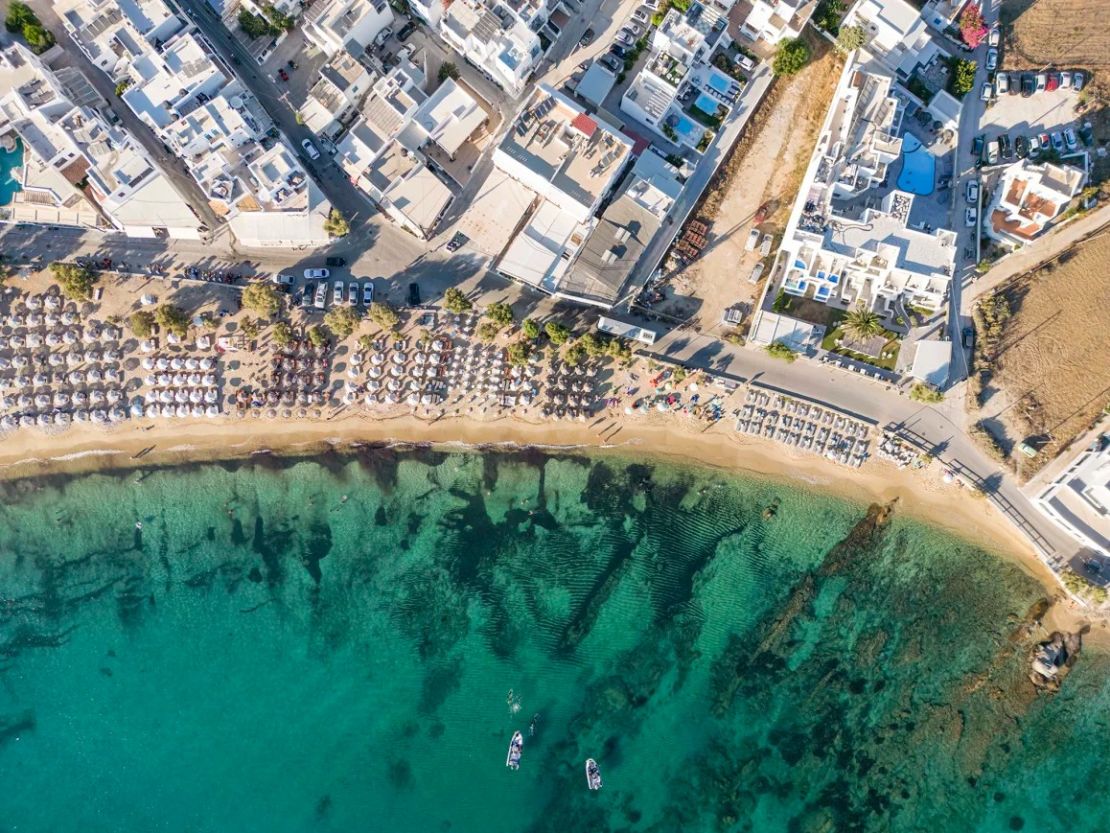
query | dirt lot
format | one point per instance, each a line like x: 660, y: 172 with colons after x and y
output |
x: 767, y: 166
x: 1065, y: 34
x: 1051, y: 377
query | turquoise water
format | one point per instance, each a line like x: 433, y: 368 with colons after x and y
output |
x: 330, y: 645
x: 9, y: 161
x: 919, y: 167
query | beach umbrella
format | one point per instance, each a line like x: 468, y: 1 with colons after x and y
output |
x: 27, y: 421
x: 374, y: 385
x: 181, y: 411
x: 192, y: 363
x: 53, y: 340
x: 356, y: 359
x: 165, y: 397
x: 180, y: 379
x: 113, y: 355
x: 137, y: 408
x: 177, y: 363
x: 150, y: 380
x: 114, y: 395
x: 395, y: 385
x: 92, y: 356
x: 61, y: 399
x: 70, y: 317
x: 110, y: 333
x: 412, y: 399
x: 45, y: 419
x: 15, y: 320
x: 90, y: 334
x: 99, y: 416
x: 112, y: 374
x: 42, y: 401
x: 96, y: 397
x: 147, y: 346
x: 7, y: 422
x: 398, y: 358
x: 211, y: 396
x: 196, y: 411
x: 80, y: 397
x: 81, y: 415
x: 70, y: 337
x: 181, y: 397
x: 207, y: 363
x: 54, y: 360
x: 195, y: 396
x: 117, y: 414
x: 211, y: 411
x: 75, y: 358
x: 61, y: 417
x: 18, y: 340
x: 52, y: 302
x: 33, y: 302
x: 392, y: 399
x: 94, y: 375
x: 51, y: 319
x: 204, y: 342
x: 151, y: 397
x: 173, y: 339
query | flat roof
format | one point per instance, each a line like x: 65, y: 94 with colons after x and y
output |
x: 596, y: 84
x: 536, y: 254
x: 420, y: 196
x: 932, y: 362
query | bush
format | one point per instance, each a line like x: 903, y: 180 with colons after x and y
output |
x: 384, y: 316
x: 262, y: 298
x: 253, y: 25
x: 278, y: 20
x: 558, y: 333
x: 283, y: 334
x: 316, y: 336
x: 342, y: 321
x: 141, y: 323
x: 173, y: 319
x: 250, y: 328
x: 122, y: 86
x: 973, y: 29
x: 575, y: 354
x: 961, y: 78
x: 828, y: 15
x: 336, y: 225
x: 782, y: 302
x: 530, y: 329
x: 500, y: 314
x: 850, y: 38
x: 448, y: 70
x: 988, y: 441
x: 779, y: 350
x: 21, y: 19
x: 456, y: 302
x: 922, y: 392
x: 519, y: 352
x: 791, y: 56
x: 76, y: 281
x: 487, y: 331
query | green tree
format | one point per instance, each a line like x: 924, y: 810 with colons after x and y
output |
x: 19, y: 15
x: 250, y: 328
x: 253, y: 25
x: 619, y: 349
x: 122, y: 86
x: 342, y: 321
x: 500, y: 314
x: 558, y: 333
x: 317, y: 336
x: 782, y: 302
x: 262, y: 298
x: 487, y: 331
x: 336, y: 225
x: 76, y: 281
x: 279, y: 20
x: 591, y: 344
x: 448, y: 70
x: 922, y: 392
x: 530, y: 329
x: 456, y: 301
x: 173, y: 319
x: 283, y: 334
x: 519, y: 352
x: 780, y: 351
x: 862, y: 323
x: 384, y: 316
x: 961, y: 77
x: 141, y: 323
x: 574, y: 354
x: 851, y: 37
x: 828, y: 15
x: 792, y: 55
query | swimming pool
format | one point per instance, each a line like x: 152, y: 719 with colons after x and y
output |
x: 706, y: 104
x: 685, y: 127
x: 919, y: 167
x: 720, y: 83
x: 9, y: 161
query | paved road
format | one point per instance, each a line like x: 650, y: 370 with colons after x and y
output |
x: 174, y: 168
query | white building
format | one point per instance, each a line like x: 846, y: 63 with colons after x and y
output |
x: 897, y: 34
x: 1029, y: 197
x: 336, y: 25
x: 112, y: 34
x: 497, y: 39
x: 334, y: 99
x: 1078, y: 500
x: 79, y: 170
x: 777, y: 20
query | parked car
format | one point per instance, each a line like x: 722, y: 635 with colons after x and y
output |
x: 414, y: 294
x: 1028, y: 84
x: 652, y: 4
x: 992, y: 153
x: 283, y: 75
x: 406, y: 30
x: 367, y: 293
x: 1005, y: 148
x: 641, y: 15
x: 383, y: 36
x: 619, y: 51
x: 765, y: 245
x: 992, y: 60
x: 316, y: 274
x: 1053, y: 82
x: 1002, y: 83
x: 971, y: 216
x: 306, y: 297
x: 1087, y: 134
x: 987, y: 93
x: 1065, y: 80
x: 1078, y: 79
x: 321, y: 295
x: 587, y: 38
x: 973, y: 191
x: 624, y: 38
x: 757, y: 272
x: 611, y: 62
x: 994, y: 37
x: 1021, y: 147
x: 1034, y: 147
x: 633, y: 28
x: 1058, y: 142
x: 977, y: 146
x: 456, y: 242
x: 969, y: 338
x: 337, y: 292
x: 352, y: 294
x: 283, y: 280
x: 1070, y: 140
x: 1042, y: 81
x: 336, y: 261
x: 752, y: 241
x: 310, y: 149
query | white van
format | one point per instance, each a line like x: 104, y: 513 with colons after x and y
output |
x: 321, y: 298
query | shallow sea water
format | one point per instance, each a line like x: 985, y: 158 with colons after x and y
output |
x: 347, y: 644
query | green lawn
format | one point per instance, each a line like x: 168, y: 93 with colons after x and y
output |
x: 892, y: 346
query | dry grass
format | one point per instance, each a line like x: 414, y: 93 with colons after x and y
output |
x: 1051, y: 376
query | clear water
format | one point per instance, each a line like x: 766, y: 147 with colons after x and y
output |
x: 685, y: 127
x: 330, y: 646
x: 9, y: 161
x: 707, y: 104
x: 719, y: 83
x: 919, y: 167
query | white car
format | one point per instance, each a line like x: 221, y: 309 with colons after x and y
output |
x: 282, y: 280
x: 310, y: 149
x: 1065, y: 80
x: 971, y: 217
x: 765, y: 245
x: 995, y: 36
x: 1078, y: 79
x: 757, y: 273
x: 321, y: 295
x: 992, y: 60
x: 352, y: 294
x: 1002, y: 82
x: 987, y: 93
x: 973, y: 191
x: 368, y: 293
x: 752, y: 241
x: 337, y: 292
x: 316, y: 274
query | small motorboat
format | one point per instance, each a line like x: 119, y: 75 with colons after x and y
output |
x: 593, y: 774
x: 516, y: 747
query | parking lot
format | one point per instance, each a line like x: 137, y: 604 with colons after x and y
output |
x: 1041, y: 112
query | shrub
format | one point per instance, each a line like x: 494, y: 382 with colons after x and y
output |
x: 973, y: 29
x: 283, y: 334
x: 250, y: 328
x: 487, y: 331
x: 558, y: 333
x: 448, y: 70
x: 336, y: 225
x: 141, y: 323
x: 173, y: 319
x: 279, y: 21
x: 21, y: 19
x: 456, y: 302
x: 500, y: 314
x: 779, y: 350
x: 19, y: 15
x: 122, y: 86
x: 262, y: 298
x: 961, y: 79
x: 76, y: 281
x: 253, y: 25
x: 922, y: 392
x: 792, y: 55
x: 316, y: 336
x: 530, y: 329
x: 782, y: 302
x: 342, y: 321
x: 851, y: 37
x: 575, y: 354
x: 519, y: 352
x: 828, y: 15
x: 384, y: 315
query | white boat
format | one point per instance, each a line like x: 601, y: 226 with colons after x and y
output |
x: 516, y: 747
x: 593, y: 774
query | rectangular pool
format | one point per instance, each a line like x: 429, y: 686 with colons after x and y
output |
x: 706, y: 104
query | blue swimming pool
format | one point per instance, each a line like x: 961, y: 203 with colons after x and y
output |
x: 685, y: 127
x: 919, y: 167
x: 719, y: 83
x: 9, y: 161
x: 706, y: 104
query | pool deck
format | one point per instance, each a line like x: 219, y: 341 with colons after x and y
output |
x: 9, y: 161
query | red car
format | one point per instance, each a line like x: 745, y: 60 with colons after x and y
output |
x: 283, y: 74
x: 1053, y: 81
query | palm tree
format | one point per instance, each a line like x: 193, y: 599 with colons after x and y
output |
x: 861, y: 323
